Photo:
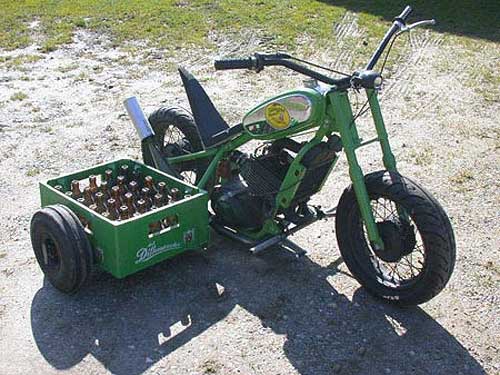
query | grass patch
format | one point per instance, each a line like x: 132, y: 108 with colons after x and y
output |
x: 68, y: 68
x: 82, y: 76
x: 487, y: 82
x: 19, y: 96
x: 18, y: 62
x: 298, y: 26
x: 173, y: 24
x: 33, y: 172
x: 422, y: 157
x: 462, y: 177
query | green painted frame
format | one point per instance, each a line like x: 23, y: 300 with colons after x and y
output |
x: 336, y: 116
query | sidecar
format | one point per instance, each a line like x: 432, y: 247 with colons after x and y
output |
x: 70, y: 239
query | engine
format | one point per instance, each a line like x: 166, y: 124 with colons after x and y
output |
x: 247, y: 198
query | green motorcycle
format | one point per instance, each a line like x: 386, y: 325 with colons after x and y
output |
x: 393, y: 235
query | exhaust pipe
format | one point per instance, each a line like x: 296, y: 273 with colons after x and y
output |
x: 138, y: 118
x: 146, y: 134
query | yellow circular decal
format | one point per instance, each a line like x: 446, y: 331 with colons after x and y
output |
x: 277, y: 116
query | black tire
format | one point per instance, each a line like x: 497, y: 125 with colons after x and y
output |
x: 432, y: 225
x: 61, y: 248
x: 168, y: 121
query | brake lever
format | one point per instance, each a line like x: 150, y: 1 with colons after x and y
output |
x: 406, y: 28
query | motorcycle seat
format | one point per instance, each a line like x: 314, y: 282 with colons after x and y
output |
x: 212, y: 128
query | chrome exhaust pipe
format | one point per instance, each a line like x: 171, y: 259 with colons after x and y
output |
x: 138, y: 118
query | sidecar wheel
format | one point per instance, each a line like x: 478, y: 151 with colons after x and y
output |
x: 419, y: 253
x: 61, y: 247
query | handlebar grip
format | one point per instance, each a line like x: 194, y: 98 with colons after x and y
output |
x: 247, y: 63
x: 405, y: 13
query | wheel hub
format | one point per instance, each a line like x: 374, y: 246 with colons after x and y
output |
x: 399, y: 240
x: 50, y: 254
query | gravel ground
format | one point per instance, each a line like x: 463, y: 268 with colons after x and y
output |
x: 225, y: 311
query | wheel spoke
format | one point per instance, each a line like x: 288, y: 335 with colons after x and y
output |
x: 409, y: 266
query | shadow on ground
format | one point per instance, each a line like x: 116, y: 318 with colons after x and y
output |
x: 119, y: 322
x: 471, y: 18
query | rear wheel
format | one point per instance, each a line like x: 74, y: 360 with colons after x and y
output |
x: 419, y: 253
x: 61, y: 247
x: 176, y: 134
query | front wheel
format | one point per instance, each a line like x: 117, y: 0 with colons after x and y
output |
x: 419, y: 246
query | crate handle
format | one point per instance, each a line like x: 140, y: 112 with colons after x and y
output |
x: 167, y: 224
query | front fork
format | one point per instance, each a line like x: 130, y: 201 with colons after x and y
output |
x: 344, y: 120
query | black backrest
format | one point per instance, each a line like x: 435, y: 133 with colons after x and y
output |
x: 206, y: 116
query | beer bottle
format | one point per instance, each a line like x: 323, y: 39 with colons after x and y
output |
x: 108, y: 176
x: 124, y: 214
x: 149, y: 183
x: 58, y: 188
x: 124, y: 171
x: 69, y: 194
x: 81, y: 200
x: 106, y: 214
x: 113, y: 212
x: 141, y: 206
x: 145, y: 194
x: 75, y: 189
x: 93, y: 207
x: 162, y: 187
x: 158, y: 200
x: 87, y: 195
x: 175, y: 194
x: 104, y: 188
x: 170, y: 221
x: 99, y: 198
x: 133, y: 187
x: 136, y: 176
x: 129, y: 201
x: 120, y: 182
x: 154, y: 227
x: 115, y: 194
x: 93, y: 184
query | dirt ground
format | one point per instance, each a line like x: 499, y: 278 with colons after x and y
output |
x: 225, y: 311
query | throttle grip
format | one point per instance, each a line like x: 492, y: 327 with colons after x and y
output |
x: 248, y: 63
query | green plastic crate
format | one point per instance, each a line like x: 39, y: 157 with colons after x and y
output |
x: 125, y: 247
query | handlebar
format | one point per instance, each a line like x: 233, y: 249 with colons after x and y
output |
x: 258, y: 61
x: 399, y: 22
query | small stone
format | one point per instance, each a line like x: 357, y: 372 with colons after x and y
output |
x: 149, y: 360
x: 412, y: 353
x: 220, y: 292
x: 387, y: 370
